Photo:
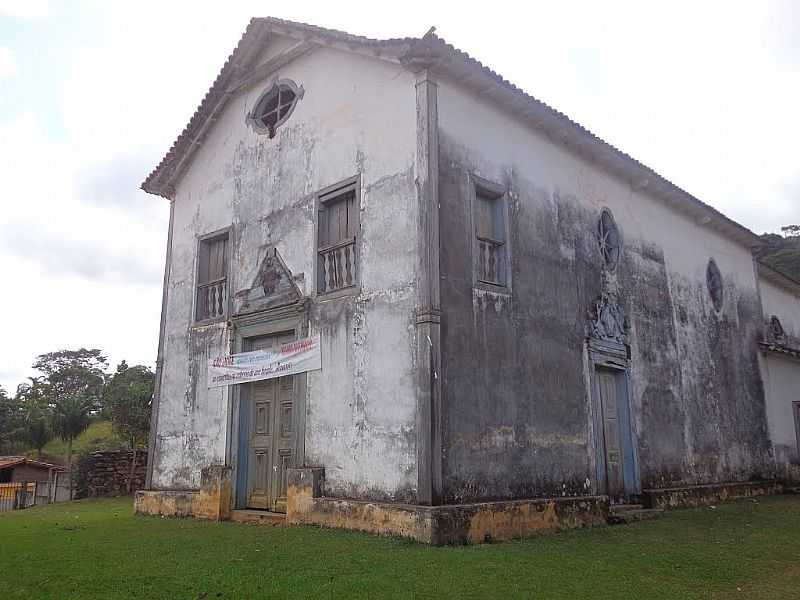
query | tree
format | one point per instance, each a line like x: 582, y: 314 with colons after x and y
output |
x: 71, y: 372
x: 71, y: 417
x: 10, y: 418
x: 35, y: 427
x: 791, y: 231
x: 72, y: 386
x: 128, y: 395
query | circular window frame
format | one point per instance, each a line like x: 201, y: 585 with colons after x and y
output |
x: 254, y: 117
x: 609, y: 253
x: 715, y: 284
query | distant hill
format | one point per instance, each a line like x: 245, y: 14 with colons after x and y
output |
x: 781, y: 253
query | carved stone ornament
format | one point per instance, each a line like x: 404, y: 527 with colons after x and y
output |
x: 608, y: 321
x: 272, y: 287
x: 776, y: 332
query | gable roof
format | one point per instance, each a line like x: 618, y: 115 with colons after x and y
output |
x: 441, y: 58
x: 778, y: 278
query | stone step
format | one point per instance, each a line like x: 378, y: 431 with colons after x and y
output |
x: 259, y: 517
x: 624, y: 507
x: 629, y: 513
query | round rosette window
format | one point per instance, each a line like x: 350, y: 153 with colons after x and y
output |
x: 274, y: 106
x: 608, y: 238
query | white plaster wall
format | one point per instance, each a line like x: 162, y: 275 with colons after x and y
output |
x: 783, y: 304
x: 782, y: 377
x: 357, y: 117
x: 782, y: 382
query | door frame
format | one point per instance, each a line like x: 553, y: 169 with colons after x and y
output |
x: 796, y: 419
x: 612, y: 356
x: 279, y: 320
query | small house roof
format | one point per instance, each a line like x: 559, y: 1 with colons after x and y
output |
x: 7, y: 462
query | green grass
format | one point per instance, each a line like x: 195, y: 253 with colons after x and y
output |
x: 99, y: 549
x: 98, y: 436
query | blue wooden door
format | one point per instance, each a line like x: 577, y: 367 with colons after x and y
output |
x: 616, y: 453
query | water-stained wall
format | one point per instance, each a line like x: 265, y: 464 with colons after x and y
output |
x: 356, y: 117
x: 516, y: 402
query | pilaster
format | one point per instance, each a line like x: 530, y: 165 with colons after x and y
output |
x: 428, y: 319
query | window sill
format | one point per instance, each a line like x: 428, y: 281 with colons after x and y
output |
x: 208, y: 322
x: 353, y: 290
x: 485, y: 286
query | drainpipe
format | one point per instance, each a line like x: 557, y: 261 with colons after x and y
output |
x: 160, y: 358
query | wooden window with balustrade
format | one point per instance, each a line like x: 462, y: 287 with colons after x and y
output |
x: 337, y: 238
x: 490, y: 232
x: 212, y: 278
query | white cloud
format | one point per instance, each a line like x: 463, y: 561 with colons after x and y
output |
x: 89, y: 272
x: 24, y: 9
x: 705, y: 93
x: 8, y: 66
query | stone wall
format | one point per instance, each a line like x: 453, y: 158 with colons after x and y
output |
x: 102, y: 474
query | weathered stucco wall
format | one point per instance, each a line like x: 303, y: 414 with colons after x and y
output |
x: 782, y: 378
x: 357, y: 117
x: 516, y: 407
x: 783, y: 304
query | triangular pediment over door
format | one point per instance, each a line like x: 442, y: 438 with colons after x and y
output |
x: 272, y: 287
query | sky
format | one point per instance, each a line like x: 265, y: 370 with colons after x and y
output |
x: 92, y: 94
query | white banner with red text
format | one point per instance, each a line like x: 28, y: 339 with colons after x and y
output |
x: 291, y: 358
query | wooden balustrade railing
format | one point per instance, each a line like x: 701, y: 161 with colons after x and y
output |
x: 337, y: 266
x: 212, y: 300
x: 491, y: 266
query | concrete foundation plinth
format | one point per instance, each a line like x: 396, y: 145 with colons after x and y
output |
x: 211, y: 502
x: 451, y: 524
x: 215, y: 497
x: 167, y: 503
x: 703, y: 495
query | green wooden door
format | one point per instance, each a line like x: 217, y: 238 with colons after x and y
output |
x: 271, y: 440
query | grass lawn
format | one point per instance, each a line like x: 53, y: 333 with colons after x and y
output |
x: 99, y: 549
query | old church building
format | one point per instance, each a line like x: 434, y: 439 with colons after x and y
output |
x: 520, y: 325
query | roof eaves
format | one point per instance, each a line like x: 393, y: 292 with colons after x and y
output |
x: 334, y: 36
x: 787, y: 351
x: 11, y: 461
x: 778, y: 278
x: 431, y: 51
x: 160, y: 180
x: 446, y: 59
x: 6, y: 462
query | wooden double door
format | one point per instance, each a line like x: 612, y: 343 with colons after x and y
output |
x: 616, y: 457
x: 270, y: 425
